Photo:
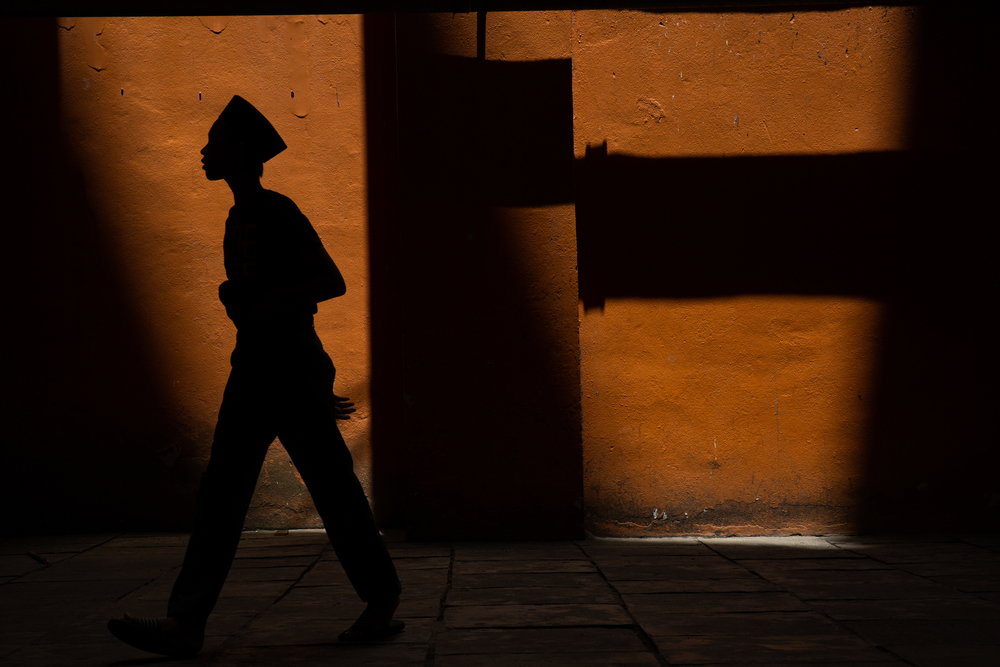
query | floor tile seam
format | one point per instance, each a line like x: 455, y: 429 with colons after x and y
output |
x: 835, y: 622
x: 640, y: 632
x: 955, y: 540
x: 539, y: 604
x: 147, y: 583
x: 439, y: 626
x: 568, y: 626
x: 68, y: 558
x: 993, y: 551
x: 233, y: 637
x: 900, y: 567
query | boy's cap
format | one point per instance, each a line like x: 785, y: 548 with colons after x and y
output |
x: 244, y: 123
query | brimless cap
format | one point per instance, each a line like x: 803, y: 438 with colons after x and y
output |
x: 244, y: 123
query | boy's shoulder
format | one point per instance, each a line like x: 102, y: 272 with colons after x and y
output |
x: 276, y: 200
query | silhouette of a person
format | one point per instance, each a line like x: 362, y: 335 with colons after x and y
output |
x: 281, y: 384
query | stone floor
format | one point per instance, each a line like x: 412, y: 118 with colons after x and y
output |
x: 833, y: 600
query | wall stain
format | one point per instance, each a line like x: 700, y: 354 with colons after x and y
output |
x: 93, y: 27
x: 214, y: 23
x: 298, y: 66
x: 266, y: 25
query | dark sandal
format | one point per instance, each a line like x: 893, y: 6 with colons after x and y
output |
x: 368, y: 629
x: 146, y: 634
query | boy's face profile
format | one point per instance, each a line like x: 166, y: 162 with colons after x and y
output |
x: 240, y: 141
x: 219, y: 154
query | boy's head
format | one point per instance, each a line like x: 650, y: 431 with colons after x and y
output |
x: 240, y: 141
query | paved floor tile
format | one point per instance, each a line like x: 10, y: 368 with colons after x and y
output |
x: 252, y: 589
x: 282, y: 631
x: 20, y: 594
x: 104, y: 650
x: 955, y: 655
x: 812, y: 564
x: 911, y: 631
x: 522, y: 547
x: 535, y: 615
x: 546, y: 551
x: 975, y: 568
x: 654, y: 570
x: 233, y: 605
x: 529, y: 579
x: 256, y: 551
x: 327, y: 655
x: 279, y: 561
x: 768, y: 650
x: 422, y: 577
x: 835, y: 600
x: 747, y: 582
x: 985, y: 583
x: 898, y: 554
x: 728, y: 625
x: 518, y: 566
x: 985, y: 540
x: 531, y: 595
x: 872, y: 591
x: 154, y: 540
x: 432, y: 563
x: 550, y: 660
x: 54, y: 543
x: 399, y: 551
x: 773, y: 547
x: 228, y: 623
x: 860, y: 610
x: 11, y: 641
x: 538, y: 640
x: 261, y: 573
x: 710, y: 603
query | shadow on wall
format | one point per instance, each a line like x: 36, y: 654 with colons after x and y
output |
x: 898, y: 228
x: 706, y: 227
x: 492, y: 404
x: 90, y: 428
x: 869, y: 225
x: 906, y: 229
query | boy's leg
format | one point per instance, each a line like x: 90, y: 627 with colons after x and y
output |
x: 242, y: 436
x: 310, y: 434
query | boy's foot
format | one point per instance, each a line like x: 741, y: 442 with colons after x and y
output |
x: 165, y: 637
x: 374, y: 624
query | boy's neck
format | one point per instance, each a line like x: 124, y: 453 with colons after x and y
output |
x: 245, y: 188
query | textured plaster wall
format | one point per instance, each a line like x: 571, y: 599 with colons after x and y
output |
x: 743, y: 412
x: 138, y: 96
x: 781, y: 273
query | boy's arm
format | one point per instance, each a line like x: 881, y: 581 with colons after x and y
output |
x: 319, y: 279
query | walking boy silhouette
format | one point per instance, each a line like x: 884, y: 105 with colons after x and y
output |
x: 281, y: 385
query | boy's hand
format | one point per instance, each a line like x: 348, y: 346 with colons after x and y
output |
x: 342, y: 407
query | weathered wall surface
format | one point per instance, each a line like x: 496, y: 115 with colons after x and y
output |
x: 136, y: 97
x: 758, y: 277
x: 713, y: 272
x: 707, y: 406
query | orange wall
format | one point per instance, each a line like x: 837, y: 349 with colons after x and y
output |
x: 138, y: 96
x: 724, y: 268
x: 743, y: 412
